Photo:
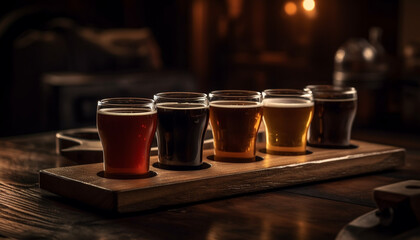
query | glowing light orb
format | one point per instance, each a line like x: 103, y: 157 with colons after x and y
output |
x: 308, y: 5
x: 290, y: 8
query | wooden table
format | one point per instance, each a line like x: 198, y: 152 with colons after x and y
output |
x: 311, y: 211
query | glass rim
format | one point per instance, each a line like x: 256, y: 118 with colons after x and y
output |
x: 291, y: 90
x: 194, y: 96
x: 287, y: 92
x: 331, y: 91
x: 234, y: 93
x: 125, y: 102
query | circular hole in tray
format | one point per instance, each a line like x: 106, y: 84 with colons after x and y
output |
x: 307, y: 152
x: 126, y: 176
x: 237, y: 160
x: 181, y: 168
x: 85, y: 135
x: 351, y: 146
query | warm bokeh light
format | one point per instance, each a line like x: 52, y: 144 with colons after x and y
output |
x: 339, y: 56
x: 235, y: 8
x: 308, y: 5
x: 290, y: 8
x: 368, y: 54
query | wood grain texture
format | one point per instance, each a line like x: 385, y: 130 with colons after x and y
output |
x: 272, y: 215
x: 316, y: 210
x: 222, y: 179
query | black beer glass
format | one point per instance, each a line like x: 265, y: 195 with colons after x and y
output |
x: 181, y: 125
x: 335, y: 109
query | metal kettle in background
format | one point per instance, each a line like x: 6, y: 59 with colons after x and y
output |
x: 364, y: 65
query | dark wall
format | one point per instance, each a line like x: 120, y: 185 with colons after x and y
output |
x: 42, y: 37
x: 260, y: 47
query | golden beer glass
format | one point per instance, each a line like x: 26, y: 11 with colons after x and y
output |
x: 287, y: 114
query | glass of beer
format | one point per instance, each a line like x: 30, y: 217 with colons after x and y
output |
x: 335, y: 109
x: 181, y: 126
x: 235, y: 117
x: 287, y: 115
x: 126, y: 128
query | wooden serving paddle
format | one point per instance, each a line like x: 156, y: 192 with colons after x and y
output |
x: 83, y: 145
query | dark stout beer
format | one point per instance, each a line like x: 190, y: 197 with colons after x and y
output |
x: 126, y: 135
x: 332, y: 122
x: 286, y: 121
x: 235, y: 127
x: 335, y: 109
x: 180, y: 133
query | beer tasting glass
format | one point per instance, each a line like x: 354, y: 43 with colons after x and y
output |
x: 181, y: 126
x: 287, y: 115
x: 335, y: 109
x: 126, y: 128
x: 235, y: 117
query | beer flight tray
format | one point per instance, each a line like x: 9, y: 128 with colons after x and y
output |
x: 85, y: 183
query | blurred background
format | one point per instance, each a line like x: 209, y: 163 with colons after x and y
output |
x: 57, y: 58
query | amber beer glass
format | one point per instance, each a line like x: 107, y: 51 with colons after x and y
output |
x: 287, y: 115
x: 235, y: 117
x: 335, y: 109
x: 182, y: 122
x: 126, y: 128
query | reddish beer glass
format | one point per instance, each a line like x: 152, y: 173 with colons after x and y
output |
x: 126, y: 128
